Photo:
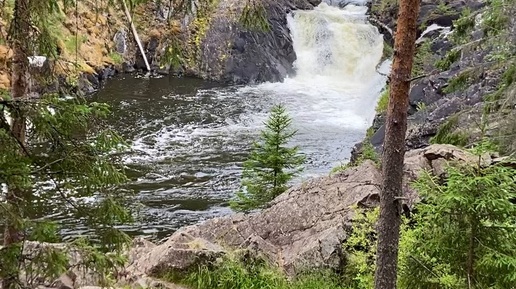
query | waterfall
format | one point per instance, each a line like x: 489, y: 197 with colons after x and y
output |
x: 332, y: 95
x: 336, y: 46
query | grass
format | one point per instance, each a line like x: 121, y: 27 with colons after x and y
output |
x: 446, y: 135
x: 116, y: 57
x: 232, y: 273
x: 72, y: 43
x: 446, y: 62
x: 459, y: 82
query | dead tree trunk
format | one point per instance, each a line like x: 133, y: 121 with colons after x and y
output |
x: 394, y: 146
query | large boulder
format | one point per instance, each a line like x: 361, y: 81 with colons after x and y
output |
x: 229, y: 52
x: 303, y: 229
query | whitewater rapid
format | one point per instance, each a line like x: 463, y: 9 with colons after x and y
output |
x: 189, y: 138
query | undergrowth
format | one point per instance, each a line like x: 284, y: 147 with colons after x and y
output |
x: 234, y: 273
x: 446, y: 134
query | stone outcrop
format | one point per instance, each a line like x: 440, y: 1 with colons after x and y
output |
x: 231, y: 53
x: 451, y: 98
x: 303, y: 229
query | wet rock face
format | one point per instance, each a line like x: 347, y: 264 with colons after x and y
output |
x: 232, y: 53
x: 431, y: 12
x: 430, y: 104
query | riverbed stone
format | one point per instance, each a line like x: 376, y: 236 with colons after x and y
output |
x: 302, y: 229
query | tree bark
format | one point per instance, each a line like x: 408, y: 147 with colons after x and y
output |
x: 394, y: 146
x: 20, y: 37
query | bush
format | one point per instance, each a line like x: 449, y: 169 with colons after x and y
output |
x: 234, y: 273
x: 465, y: 233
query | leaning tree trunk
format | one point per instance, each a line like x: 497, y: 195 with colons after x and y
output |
x: 20, y: 34
x: 394, y: 146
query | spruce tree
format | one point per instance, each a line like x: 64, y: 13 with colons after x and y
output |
x: 271, y: 163
x: 465, y: 232
x: 54, y: 152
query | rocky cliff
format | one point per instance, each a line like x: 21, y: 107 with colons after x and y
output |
x: 209, y: 40
x: 464, y: 72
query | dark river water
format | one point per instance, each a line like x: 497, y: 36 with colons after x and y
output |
x: 188, y: 138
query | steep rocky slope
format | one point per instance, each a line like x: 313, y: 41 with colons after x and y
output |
x: 463, y: 87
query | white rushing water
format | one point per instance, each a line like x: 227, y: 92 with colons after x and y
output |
x: 190, y: 143
x: 332, y: 96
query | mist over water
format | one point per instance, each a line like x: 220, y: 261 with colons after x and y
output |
x: 189, y: 137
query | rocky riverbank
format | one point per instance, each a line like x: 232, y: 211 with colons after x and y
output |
x: 303, y: 229
x: 463, y: 87
x: 212, y: 42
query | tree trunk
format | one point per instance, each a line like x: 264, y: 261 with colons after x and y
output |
x: 20, y: 37
x: 394, y: 146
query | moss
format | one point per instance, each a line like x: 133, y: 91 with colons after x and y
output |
x: 446, y: 135
x: 451, y: 57
x: 458, y: 82
x: 383, y: 102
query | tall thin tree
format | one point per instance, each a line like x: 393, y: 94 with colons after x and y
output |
x: 394, y: 145
x: 19, y: 36
x: 62, y: 147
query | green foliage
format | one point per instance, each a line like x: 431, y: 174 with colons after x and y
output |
x: 65, y: 159
x: 497, y: 16
x: 422, y: 58
x: 383, y: 102
x: 380, y: 7
x: 446, y: 135
x: 443, y: 8
x: 465, y: 233
x: 254, y: 17
x: 271, y: 163
x: 388, y: 51
x: 509, y: 76
x: 463, y: 26
x: 173, y: 54
x: 459, y: 82
x: 232, y: 273
x: 360, y: 248
x: 451, y: 57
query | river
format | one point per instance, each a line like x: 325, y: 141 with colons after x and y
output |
x: 189, y: 137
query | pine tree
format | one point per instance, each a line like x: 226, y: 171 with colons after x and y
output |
x: 394, y: 145
x: 52, y: 152
x: 465, y: 232
x: 270, y: 165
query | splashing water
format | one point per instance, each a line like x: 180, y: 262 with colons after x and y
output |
x: 189, y: 138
